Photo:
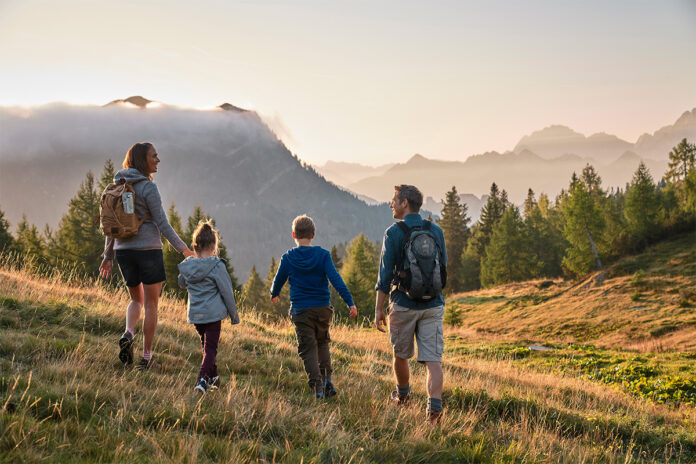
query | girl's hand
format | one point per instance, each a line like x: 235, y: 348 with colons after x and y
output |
x: 187, y: 253
x: 105, y: 268
x: 275, y: 299
x: 353, y: 312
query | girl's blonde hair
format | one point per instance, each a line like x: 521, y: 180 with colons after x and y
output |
x: 205, y: 237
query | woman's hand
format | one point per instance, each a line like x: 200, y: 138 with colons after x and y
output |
x: 105, y: 268
x: 187, y: 253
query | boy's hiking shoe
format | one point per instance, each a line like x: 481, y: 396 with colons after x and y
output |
x: 125, y: 343
x: 144, y: 364
x: 319, y: 395
x: 329, y: 389
x: 214, y: 383
x: 202, y: 386
x: 399, y: 400
x: 433, y: 417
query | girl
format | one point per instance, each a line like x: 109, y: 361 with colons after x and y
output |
x: 210, y: 298
x: 140, y: 257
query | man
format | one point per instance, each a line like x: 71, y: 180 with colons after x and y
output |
x: 410, y: 317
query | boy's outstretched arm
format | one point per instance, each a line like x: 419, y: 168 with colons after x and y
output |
x: 224, y: 284
x: 280, y: 278
x: 340, y: 286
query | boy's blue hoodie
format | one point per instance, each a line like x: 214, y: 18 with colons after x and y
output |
x: 310, y: 269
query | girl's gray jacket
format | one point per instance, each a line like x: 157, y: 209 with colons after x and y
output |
x: 210, y: 291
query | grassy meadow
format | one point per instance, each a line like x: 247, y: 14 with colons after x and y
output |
x: 617, y: 386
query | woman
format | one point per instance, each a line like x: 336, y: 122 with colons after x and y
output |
x: 140, y: 257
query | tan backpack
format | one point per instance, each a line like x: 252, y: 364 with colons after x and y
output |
x: 117, y: 210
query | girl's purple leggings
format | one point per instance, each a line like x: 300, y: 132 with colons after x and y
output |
x: 210, y: 335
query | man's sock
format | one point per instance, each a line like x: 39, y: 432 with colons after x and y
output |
x: 403, y: 391
x: 131, y: 332
x: 147, y: 355
x: 435, y: 404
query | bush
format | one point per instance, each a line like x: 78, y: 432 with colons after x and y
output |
x: 453, y: 315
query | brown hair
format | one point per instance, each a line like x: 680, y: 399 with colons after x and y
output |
x: 303, y: 227
x: 411, y: 194
x: 204, y: 237
x: 136, y: 157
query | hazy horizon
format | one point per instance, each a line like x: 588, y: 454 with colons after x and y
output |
x: 367, y: 83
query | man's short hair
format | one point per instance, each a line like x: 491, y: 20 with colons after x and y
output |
x: 303, y: 227
x: 411, y: 194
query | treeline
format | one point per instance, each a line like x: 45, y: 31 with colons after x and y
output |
x: 77, y: 244
x: 581, y: 230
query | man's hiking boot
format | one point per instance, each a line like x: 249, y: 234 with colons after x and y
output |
x: 399, y: 400
x: 202, y: 386
x: 125, y: 343
x: 214, y: 383
x: 145, y: 364
x: 433, y: 417
x: 329, y: 389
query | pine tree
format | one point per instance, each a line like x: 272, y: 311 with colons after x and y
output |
x: 690, y: 187
x: 360, y: 273
x: 78, y: 240
x: 583, y: 226
x: 171, y: 256
x: 529, y: 203
x: 682, y: 159
x: 642, y: 209
x: 545, y: 239
x: 6, y: 239
x: 508, y: 257
x: 454, y: 223
x: 255, y: 295
x: 30, y: 244
x: 282, y: 306
x: 336, y: 258
x: 107, y: 176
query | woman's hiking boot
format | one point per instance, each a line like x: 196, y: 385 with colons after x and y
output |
x: 202, y: 386
x: 398, y: 399
x: 329, y: 389
x: 125, y: 343
x: 146, y: 364
x: 433, y: 417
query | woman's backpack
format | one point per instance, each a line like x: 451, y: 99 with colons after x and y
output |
x: 117, y: 210
x: 419, y: 273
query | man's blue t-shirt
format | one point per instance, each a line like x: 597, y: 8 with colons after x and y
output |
x: 392, y: 247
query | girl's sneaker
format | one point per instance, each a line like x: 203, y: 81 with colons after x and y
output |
x: 145, y: 364
x: 201, y: 387
x: 125, y: 343
x: 214, y: 383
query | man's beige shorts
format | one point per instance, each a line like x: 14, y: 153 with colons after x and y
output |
x: 425, y: 324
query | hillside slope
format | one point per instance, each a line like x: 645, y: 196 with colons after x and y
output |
x: 65, y: 397
x: 643, y: 302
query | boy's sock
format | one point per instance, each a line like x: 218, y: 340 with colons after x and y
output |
x: 403, y: 391
x: 435, y: 404
x: 147, y: 354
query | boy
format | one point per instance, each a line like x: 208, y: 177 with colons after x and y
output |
x: 310, y: 269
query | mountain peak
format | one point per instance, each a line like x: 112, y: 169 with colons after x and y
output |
x: 230, y: 107
x: 417, y: 158
x: 137, y: 100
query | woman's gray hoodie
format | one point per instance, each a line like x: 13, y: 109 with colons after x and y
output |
x: 210, y: 291
x: 147, y: 201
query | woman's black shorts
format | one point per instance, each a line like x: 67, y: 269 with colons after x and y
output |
x: 146, y: 266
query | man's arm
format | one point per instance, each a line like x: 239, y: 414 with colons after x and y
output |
x: 380, y: 317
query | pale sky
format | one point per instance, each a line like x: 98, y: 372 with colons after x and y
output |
x: 367, y: 81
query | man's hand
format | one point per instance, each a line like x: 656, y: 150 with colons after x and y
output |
x: 275, y: 299
x: 187, y: 253
x: 105, y: 268
x: 380, y: 320
x: 353, y: 312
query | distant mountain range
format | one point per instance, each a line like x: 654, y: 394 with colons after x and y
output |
x: 225, y: 160
x: 543, y: 160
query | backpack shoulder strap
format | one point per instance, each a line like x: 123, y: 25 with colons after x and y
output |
x: 426, y: 224
x: 404, y: 228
